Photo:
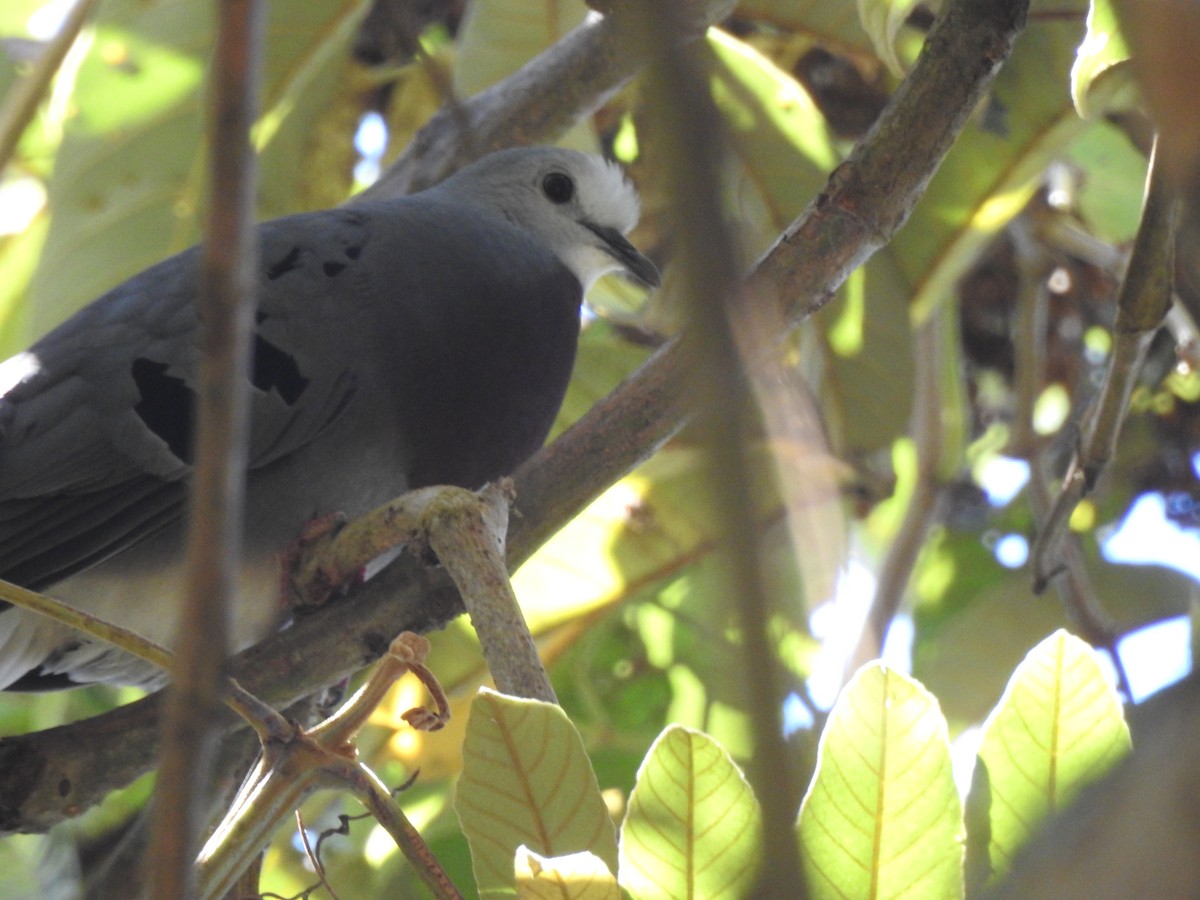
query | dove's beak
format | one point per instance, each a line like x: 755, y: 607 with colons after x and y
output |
x: 637, y: 266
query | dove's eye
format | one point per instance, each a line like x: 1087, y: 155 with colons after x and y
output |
x: 558, y: 188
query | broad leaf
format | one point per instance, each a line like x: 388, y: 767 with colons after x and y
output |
x: 641, y: 530
x: 782, y: 144
x: 1058, y: 726
x: 527, y: 781
x: 976, y: 619
x: 1112, y: 182
x: 882, y: 816
x: 497, y: 37
x: 693, y: 829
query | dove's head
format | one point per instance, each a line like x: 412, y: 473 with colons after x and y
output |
x: 578, y: 204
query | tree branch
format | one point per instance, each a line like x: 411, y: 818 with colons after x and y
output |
x: 928, y: 434
x: 228, y: 268
x: 1142, y: 305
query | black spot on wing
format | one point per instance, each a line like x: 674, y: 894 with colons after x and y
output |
x: 282, y: 266
x: 276, y: 369
x: 166, y: 405
x: 335, y: 267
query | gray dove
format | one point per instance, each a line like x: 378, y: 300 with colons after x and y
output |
x: 399, y: 343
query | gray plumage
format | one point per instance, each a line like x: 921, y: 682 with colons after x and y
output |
x: 400, y: 343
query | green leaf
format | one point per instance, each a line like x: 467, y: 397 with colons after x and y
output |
x: 118, y: 196
x: 19, y: 254
x: 642, y: 530
x: 497, y: 37
x: 781, y: 142
x: 1058, y: 726
x: 14, y: 19
x: 311, y: 106
x: 882, y: 20
x: 815, y: 21
x: 527, y: 780
x: 578, y: 876
x: 1113, y: 178
x: 693, y: 828
x: 783, y: 150
x: 603, y: 361
x: 866, y: 360
x: 14, y: 16
x: 1101, y: 80
x: 882, y: 816
x: 976, y: 620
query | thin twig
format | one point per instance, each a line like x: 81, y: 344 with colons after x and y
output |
x: 929, y: 436
x: 467, y: 531
x: 226, y: 313
x: 1074, y: 587
x: 1029, y: 334
x: 314, y: 859
x: 1142, y: 304
x: 299, y: 763
x: 387, y: 812
x: 692, y: 141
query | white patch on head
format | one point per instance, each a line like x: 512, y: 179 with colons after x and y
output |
x: 511, y: 182
x: 606, y: 197
x: 609, y: 197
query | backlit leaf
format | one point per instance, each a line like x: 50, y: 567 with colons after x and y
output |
x: 1058, y: 726
x: 693, y: 828
x: 527, y: 781
x: 882, y: 816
